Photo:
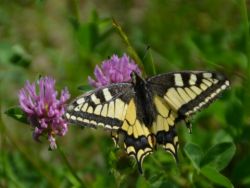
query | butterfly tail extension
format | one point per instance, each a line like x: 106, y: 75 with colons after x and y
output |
x: 172, y: 145
x: 169, y: 141
x: 138, y: 148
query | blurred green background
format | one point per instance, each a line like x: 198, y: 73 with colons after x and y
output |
x: 66, y: 39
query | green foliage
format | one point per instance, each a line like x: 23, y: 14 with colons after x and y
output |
x: 219, y: 156
x: 212, y: 162
x: 17, y: 114
x: 15, y: 55
x: 194, y: 154
x: 216, y: 177
x: 67, y: 39
x: 84, y: 88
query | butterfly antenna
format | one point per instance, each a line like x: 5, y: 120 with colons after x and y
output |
x: 148, y: 51
x: 145, y: 53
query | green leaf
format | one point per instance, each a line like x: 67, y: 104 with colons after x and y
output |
x: 72, y: 179
x: 222, y: 136
x: 216, y: 177
x: 88, y: 36
x: 219, y: 155
x: 194, y: 153
x: 18, y: 114
x: 15, y: 55
x: 20, y: 57
x: 84, y: 88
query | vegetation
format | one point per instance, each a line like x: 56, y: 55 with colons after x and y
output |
x: 67, y: 39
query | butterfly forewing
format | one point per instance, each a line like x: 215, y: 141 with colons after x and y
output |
x: 105, y: 107
x: 187, y: 92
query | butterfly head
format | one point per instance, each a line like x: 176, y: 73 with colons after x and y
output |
x: 136, y: 78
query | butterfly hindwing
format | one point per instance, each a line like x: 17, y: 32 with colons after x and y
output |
x: 163, y: 127
x: 138, y: 140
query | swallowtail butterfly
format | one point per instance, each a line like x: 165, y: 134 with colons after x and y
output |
x: 145, y: 111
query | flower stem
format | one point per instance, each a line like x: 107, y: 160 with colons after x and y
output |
x: 65, y: 160
x: 131, y: 50
x: 246, y: 31
x: 246, y: 94
x: 74, y: 13
x: 76, y: 10
x: 152, y: 62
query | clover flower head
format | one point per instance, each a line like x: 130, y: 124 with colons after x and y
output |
x: 114, y: 70
x: 44, y: 111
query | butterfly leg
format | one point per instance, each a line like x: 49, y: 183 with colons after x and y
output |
x: 189, y: 125
x: 115, y: 138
